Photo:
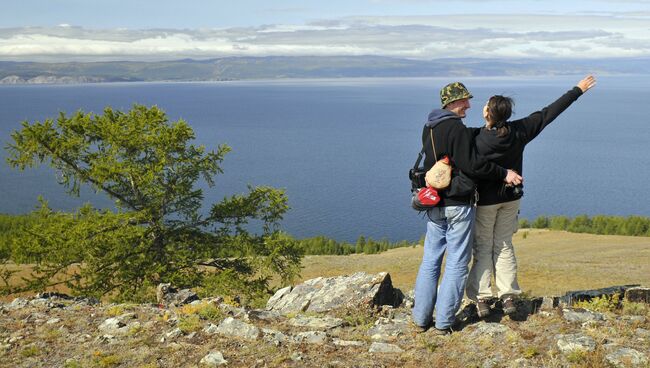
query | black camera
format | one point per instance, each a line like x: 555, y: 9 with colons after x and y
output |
x: 416, y: 175
x: 514, y: 191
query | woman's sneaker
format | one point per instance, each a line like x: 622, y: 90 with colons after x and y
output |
x: 509, y: 306
x: 482, y: 309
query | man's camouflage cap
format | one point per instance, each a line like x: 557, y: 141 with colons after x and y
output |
x: 453, y: 92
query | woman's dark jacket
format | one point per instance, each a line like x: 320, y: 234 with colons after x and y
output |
x: 507, y: 151
x: 453, y: 139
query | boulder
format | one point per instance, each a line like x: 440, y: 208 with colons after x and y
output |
x: 317, y: 323
x: 582, y: 315
x: 638, y: 295
x: 324, y: 294
x: 213, y: 359
x: 575, y: 342
x: 388, y: 329
x: 236, y: 328
x: 166, y: 294
x: 311, y: 337
x: 626, y: 357
x: 382, y: 347
x: 586, y: 295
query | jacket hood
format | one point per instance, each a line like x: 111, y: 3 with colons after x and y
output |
x: 438, y: 115
x: 492, y: 146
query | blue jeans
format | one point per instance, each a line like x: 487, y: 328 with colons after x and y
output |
x: 449, y: 230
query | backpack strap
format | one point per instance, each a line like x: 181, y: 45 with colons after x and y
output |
x: 421, y: 154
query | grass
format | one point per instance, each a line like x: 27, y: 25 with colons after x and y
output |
x: 550, y: 262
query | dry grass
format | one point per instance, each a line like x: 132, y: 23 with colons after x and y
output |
x: 550, y: 262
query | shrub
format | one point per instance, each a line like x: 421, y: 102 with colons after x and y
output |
x: 540, y: 222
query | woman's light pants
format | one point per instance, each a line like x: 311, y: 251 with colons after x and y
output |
x: 493, y: 253
x: 449, y: 230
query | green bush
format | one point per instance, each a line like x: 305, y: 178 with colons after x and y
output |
x: 559, y: 222
x: 540, y: 222
x: 599, y: 224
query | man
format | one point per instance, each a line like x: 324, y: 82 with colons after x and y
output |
x: 449, y: 228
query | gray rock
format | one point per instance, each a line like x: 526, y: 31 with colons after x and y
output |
x: 493, y: 362
x: 106, y: 339
x: 53, y: 321
x: 548, y: 303
x: 236, y: 328
x: 311, y: 337
x: 409, y: 299
x: 582, y: 315
x: 586, y: 295
x: 642, y: 332
x: 168, y: 295
x: 235, y: 312
x: 111, y: 325
x: 626, y: 357
x: 638, y: 294
x: 17, y: 303
x: 520, y: 363
x: 263, y: 315
x: 210, y: 329
x: 489, y: 328
x: 46, y: 303
x: 388, y: 329
x: 339, y: 342
x: 318, y: 323
x: 213, y: 359
x: 173, y: 334
x: 573, y: 342
x: 296, y: 357
x: 327, y: 293
x: 275, y: 299
x: 633, y: 319
x: 382, y: 347
x: 274, y: 337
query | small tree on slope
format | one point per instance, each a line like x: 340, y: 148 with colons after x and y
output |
x: 157, y: 232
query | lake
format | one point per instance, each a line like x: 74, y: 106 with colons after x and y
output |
x: 342, y: 148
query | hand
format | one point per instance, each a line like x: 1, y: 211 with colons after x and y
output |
x: 586, y: 83
x: 513, y: 178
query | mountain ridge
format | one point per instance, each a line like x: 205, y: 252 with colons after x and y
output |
x: 287, y: 67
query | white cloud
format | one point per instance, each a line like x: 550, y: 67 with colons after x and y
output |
x: 427, y: 37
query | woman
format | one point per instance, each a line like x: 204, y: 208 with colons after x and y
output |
x: 503, y: 142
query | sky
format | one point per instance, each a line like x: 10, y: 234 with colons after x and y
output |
x: 98, y: 30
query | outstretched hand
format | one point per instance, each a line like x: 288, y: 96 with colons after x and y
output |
x: 586, y: 83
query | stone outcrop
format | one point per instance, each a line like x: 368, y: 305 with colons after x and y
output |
x: 638, y: 294
x: 328, y: 293
x: 61, y: 331
x: 586, y: 295
x: 168, y: 295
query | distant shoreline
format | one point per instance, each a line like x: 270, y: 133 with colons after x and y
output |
x: 306, y: 67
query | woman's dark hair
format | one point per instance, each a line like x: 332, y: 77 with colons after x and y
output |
x: 499, y: 111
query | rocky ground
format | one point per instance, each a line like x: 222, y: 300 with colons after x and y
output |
x: 353, y: 321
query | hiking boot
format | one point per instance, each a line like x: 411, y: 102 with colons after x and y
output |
x: 509, y: 306
x: 441, y: 331
x: 482, y: 309
x: 419, y: 329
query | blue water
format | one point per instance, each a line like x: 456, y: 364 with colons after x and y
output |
x: 342, y: 148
